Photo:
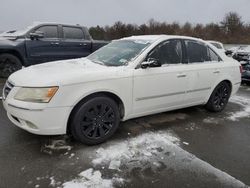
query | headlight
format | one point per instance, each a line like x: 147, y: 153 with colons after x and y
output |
x: 39, y: 95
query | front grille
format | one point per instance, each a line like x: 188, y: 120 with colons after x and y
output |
x: 7, y: 88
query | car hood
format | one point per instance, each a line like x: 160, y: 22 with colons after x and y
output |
x: 64, y: 72
x: 7, y: 41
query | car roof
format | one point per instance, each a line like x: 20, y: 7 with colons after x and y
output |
x: 153, y: 38
x: 214, y: 41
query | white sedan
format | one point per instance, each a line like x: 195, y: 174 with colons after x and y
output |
x: 128, y: 78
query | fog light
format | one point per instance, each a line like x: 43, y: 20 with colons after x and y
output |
x: 30, y: 125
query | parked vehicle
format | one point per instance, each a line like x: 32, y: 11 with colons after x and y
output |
x: 232, y: 50
x: 128, y: 78
x: 44, y: 42
x: 242, y: 54
x: 246, y: 71
x: 218, y: 45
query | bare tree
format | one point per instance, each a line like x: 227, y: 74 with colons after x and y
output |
x: 230, y: 30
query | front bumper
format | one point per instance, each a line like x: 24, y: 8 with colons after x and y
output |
x: 43, y: 121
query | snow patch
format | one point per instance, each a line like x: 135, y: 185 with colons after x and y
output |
x: 210, y: 120
x: 59, y: 145
x: 141, y: 148
x: 244, y: 103
x: 71, y: 155
x: 186, y: 143
x: 191, y: 126
x: 56, y: 145
x: 92, y: 178
x: 147, y: 148
x: 115, y: 165
x: 52, y: 181
x: 156, y: 151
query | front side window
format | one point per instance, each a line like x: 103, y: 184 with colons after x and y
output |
x: 72, y: 33
x: 169, y: 52
x: 196, y: 52
x: 118, y: 53
x: 49, y: 31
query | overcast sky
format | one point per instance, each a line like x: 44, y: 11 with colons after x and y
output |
x: 15, y: 14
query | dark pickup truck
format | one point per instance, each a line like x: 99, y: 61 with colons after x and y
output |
x: 44, y: 42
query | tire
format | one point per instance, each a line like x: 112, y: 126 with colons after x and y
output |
x: 95, y: 121
x: 219, y: 98
x: 9, y: 64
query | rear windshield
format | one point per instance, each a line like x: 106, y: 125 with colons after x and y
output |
x: 217, y: 45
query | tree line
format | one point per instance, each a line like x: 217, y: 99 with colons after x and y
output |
x: 231, y: 30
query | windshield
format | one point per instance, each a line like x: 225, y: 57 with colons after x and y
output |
x: 119, y: 53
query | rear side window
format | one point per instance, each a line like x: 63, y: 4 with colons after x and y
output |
x: 213, y: 55
x: 196, y: 52
x: 49, y: 31
x: 169, y: 52
x: 72, y: 33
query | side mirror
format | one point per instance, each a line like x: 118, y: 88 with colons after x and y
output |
x: 37, y: 35
x: 151, y: 62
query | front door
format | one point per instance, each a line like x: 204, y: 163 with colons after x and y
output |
x: 44, y: 49
x: 160, y: 88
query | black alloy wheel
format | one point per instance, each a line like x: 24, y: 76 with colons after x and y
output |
x: 95, y: 121
x: 219, y: 98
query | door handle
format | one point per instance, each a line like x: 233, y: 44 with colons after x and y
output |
x: 181, y: 75
x: 84, y: 44
x: 54, y: 43
x: 216, y: 72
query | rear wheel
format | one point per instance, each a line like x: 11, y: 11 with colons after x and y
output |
x: 95, y: 121
x: 9, y: 64
x: 219, y: 98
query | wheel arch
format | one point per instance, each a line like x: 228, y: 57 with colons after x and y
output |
x: 13, y: 52
x: 223, y: 80
x: 108, y: 94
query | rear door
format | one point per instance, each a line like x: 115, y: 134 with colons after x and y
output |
x: 74, y: 42
x: 44, y: 49
x: 204, y: 67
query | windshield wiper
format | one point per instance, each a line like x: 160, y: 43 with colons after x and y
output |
x: 98, y: 62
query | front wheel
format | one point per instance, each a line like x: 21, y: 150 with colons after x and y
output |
x: 95, y: 121
x: 9, y: 64
x: 219, y: 98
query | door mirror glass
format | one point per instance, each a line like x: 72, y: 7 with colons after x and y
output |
x: 37, y: 35
x: 151, y: 62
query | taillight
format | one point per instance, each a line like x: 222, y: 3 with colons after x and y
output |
x: 241, y: 69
